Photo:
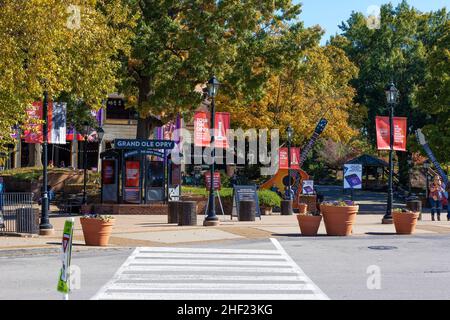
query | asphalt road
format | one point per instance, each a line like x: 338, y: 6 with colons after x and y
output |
x: 414, y: 267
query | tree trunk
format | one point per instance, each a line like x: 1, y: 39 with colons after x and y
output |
x: 35, y: 155
x: 145, y: 125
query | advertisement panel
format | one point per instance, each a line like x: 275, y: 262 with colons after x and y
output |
x: 108, y: 171
x: 295, y: 158
x: 308, y: 187
x: 132, y: 170
x: 217, y: 183
x: 383, y: 133
x: 202, y: 137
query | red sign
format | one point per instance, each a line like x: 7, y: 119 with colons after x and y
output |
x: 383, y: 133
x: 295, y: 158
x: 202, y: 137
x: 217, y: 184
x: 33, y: 132
x: 132, y: 169
x: 108, y: 170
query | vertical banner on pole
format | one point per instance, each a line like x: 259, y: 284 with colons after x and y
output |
x: 202, y: 137
x: 33, y: 130
x: 295, y: 158
x: 383, y: 133
x: 64, y: 275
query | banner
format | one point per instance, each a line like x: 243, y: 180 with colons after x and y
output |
x: 383, y: 133
x: 57, y: 122
x: 132, y: 169
x: 295, y: 158
x: 202, y: 137
x: 33, y: 130
x: 353, y: 176
x: 63, y: 282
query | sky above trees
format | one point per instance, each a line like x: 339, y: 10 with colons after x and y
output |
x: 329, y: 14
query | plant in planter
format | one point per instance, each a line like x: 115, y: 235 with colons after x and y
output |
x: 268, y: 200
x: 405, y: 221
x: 97, y: 229
x: 339, y: 217
x: 309, y: 223
x: 302, y: 208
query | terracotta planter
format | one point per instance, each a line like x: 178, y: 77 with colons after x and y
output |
x: 96, y: 232
x: 302, y: 208
x: 405, y: 223
x: 267, y: 211
x: 309, y: 225
x: 339, y: 220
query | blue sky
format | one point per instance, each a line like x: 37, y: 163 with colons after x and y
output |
x: 330, y: 13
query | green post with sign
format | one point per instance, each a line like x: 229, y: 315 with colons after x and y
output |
x: 64, y: 275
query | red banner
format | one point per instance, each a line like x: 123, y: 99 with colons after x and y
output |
x: 202, y: 137
x: 217, y: 184
x: 383, y: 133
x: 132, y: 169
x: 33, y: 132
x: 295, y: 158
x: 108, y: 170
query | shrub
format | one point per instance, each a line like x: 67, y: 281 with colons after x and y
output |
x: 268, y: 198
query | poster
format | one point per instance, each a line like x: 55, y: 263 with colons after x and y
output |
x: 295, y: 158
x: 63, y: 282
x: 308, y: 187
x: 217, y: 183
x: 132, y: 170
x: 353, y: 176
x: 108, y: 172
x: 202, y: 137
x: 383, y: 133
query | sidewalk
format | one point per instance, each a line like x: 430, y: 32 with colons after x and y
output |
x: 139, y: 230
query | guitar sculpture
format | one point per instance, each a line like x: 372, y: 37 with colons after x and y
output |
x: 423, y: 142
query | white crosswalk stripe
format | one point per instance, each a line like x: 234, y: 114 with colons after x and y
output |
x: 217, y: 274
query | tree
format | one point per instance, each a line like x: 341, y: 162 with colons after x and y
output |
x: 180, y: 44
x: 434, y: 96
x: 43, y: 46
x: 397, y: 51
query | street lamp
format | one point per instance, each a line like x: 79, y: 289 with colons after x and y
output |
x: 426, y: 166
x: 290, y: 133
x: 86, y: 129
x: 391, y: 98
x: 212, y: 219
x: 45, y: 228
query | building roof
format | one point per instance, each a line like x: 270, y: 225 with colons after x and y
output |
x: 369, y: 161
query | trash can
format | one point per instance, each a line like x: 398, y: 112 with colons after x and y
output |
x: 247, y: 210
x: 174, y: 208
x: 415, y: 206
x: 286, y: 208
x: 187, y: 216
x: 25, y: 220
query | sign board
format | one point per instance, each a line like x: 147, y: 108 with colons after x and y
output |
x: 144, y: 152
x: 174, y: 193
x: 217, y: 184
x: 63, y: 282
x: 308, y: 187
x: 353, y: 176
x: 295, y: 158
x: 139, y: 144
x: 383, y: 133
x: 245, y: 193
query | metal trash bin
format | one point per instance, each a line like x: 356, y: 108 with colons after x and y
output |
x: 415, y: 206
x: 247, y: 210
x: 174, y: 209
x: 187, y: 216
x: 286, y: 208
x: 25, y: 220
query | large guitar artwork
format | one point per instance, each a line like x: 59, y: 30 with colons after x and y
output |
x: 423, y: 142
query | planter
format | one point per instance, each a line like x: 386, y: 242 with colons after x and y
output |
x: 266, y: 211
x: 309, y: 225
x: 96, y: 231
x: 405, y: 223
x: 339, y: 220
x: 302, y: 208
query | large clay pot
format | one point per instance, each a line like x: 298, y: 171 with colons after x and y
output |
x: 339, y: 220
x: 96, y: 231
x: 405, y: 223
x: 302, y: 208
x: 309, y: 225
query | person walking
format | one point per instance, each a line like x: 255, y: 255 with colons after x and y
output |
x: 435, y: 197
x: 445, y: 200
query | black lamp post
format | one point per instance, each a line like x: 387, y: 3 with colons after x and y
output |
x: 211, y: 218
x: 45, y: 228
x: 289, y: 132
x: 86, y: 129
x: 392, y: 98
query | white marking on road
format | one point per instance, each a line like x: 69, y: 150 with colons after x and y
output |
x: 218, y: 274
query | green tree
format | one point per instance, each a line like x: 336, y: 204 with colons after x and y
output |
x: 397, y: 50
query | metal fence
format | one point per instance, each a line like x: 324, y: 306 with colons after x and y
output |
x: 17, y: 214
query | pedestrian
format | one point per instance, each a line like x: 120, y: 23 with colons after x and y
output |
x: 435, y: 197
x: 445, y: 200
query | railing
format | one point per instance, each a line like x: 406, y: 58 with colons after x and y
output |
x: 17, y: 214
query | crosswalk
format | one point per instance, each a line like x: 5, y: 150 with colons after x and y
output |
x: 210, y: 274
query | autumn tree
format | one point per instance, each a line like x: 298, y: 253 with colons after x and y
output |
x: 69, y: 48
